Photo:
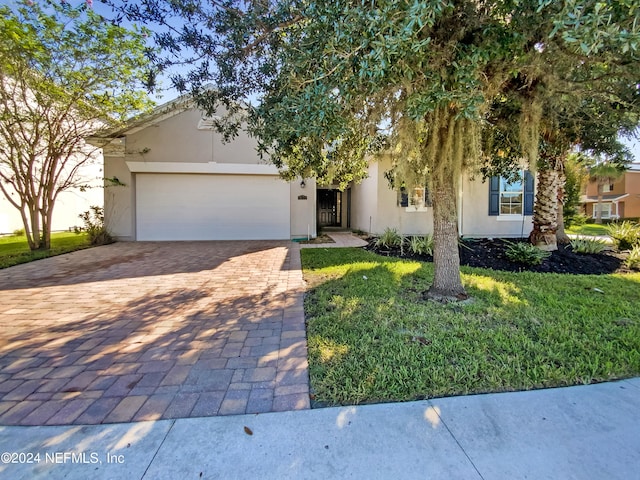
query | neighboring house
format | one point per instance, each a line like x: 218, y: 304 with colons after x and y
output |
x: 69, y: 204
x: 181, y: 182
x: 620, y: 199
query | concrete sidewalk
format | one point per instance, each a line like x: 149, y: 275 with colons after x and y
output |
x: 586, y: 432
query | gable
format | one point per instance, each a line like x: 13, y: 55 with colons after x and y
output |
x: 181, y: 138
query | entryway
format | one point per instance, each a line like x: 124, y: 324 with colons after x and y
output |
x: 331, y: 211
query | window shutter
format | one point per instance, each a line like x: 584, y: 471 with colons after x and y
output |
x: 404, y: 197
x: 494, y: 196
x: 528, y: 193
x: 428, y: 202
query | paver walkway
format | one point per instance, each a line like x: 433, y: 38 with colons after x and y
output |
x: 145, y: 331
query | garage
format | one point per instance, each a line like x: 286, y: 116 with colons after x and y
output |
x: 170, y: 177
x: 177, y: 206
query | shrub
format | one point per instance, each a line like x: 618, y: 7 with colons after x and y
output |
x: 633, y: 260
x: 625, y: 235
x: 526, y: 253
x: 421, y: 245
x: 587, y: 245
x: 390, y: 238
x: 576, y: 220
x: 19, y: 232
x: 94, y: 226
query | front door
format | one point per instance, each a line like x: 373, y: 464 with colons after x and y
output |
x: 328, y: 208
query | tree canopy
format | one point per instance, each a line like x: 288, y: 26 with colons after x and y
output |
x: 64, y: 72
x: 415, y: 81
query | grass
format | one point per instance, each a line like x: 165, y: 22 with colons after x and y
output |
x: 15, y: 249
x: 588, y: 229
x: 373, y: 338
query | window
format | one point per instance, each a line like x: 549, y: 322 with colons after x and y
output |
x: 415, y: 199
x: 605, y: 208
x: 511, y: 197
x: 607, y: 188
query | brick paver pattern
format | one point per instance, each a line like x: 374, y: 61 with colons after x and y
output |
x: 153, y: 330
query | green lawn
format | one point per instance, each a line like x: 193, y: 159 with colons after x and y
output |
x: 15, y: 250
x: 373, y: 338
x: 588, y: 229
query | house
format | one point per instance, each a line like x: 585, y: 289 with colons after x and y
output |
x: 620, y: 199
x: 179, y: 181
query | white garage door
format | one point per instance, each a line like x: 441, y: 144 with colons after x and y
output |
x: 211, y: 207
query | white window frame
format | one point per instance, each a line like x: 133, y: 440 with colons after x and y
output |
x: 605, y: 206
x: 503, y: 181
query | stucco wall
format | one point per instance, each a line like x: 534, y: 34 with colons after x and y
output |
x: 177, y: 139
x: 374, y: 199
x: 375, y: 206
x: 407, y: 220
x: 119, y: 200
x: 474, y: 219
x: 618, y: 188
x: 364, y: 199
x: 632, y: 187
x: 303, y: 211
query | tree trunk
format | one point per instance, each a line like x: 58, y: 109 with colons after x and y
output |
x: 599, y: 205
x: 46, y: 228
x: 447, y: 284
x: 36, y: 238
x: 561, y: 235
x: 36, y: 228
x: 545, y: 213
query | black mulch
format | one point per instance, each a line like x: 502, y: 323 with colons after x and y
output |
x: 490, y: 253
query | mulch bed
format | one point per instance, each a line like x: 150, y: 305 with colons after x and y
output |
x: 490, y: 253
x: 318, y: 240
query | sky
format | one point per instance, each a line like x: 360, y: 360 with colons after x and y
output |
x: 634, y: 145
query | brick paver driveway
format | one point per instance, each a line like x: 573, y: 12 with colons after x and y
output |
x: 143, y: 331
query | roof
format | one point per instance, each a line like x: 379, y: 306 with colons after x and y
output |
x: 634, y: 167
x: 605, y: 198
x: 157, y: 115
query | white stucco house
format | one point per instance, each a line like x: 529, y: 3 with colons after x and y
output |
x: 181, y: 182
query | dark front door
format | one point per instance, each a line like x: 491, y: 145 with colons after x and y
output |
x: 328, y: 208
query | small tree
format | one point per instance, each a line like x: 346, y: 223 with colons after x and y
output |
x: 602, y: 174
x: 64, y: 72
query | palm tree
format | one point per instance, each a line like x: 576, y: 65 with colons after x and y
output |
x: 603, y: 173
